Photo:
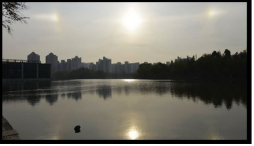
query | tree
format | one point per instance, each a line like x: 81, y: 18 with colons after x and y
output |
x: 11, y: 14
x: 227, y: 53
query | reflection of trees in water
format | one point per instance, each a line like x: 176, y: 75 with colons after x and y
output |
x: 104, y: 91
x: 211, y: 93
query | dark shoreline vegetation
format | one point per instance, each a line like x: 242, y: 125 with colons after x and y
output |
x: 215, y: 66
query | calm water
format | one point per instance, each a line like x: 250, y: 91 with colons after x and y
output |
x: 126, y: 109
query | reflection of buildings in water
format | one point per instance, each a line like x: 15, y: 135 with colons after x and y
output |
x: 127, y: 89
x: 104, y: 91
x: 68, y: 95
x: 51, y: 98
x: 33, y: 99
x: 63, y: 95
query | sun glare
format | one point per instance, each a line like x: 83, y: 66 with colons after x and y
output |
x: 212, y: 13
x: 133, y: 134
x: 55, y: 17
x: 132, y: 20
x: 129, y: 80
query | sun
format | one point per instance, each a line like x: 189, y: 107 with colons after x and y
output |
x: 132, y: 20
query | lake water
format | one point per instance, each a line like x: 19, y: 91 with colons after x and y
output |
x: 126, y: 109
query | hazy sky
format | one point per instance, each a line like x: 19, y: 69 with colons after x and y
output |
x: 134, y: 32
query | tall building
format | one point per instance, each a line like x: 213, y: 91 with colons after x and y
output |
x: 63, y: 65
x: 52, y: 59
x: 68, y: 65
x: 92, y: 66
x: 58, y: 66
x: 76, y: 63
x: 134, y: 67
x: 118, y: 67
x: 126, y: 67
x: 104, y: 65
x: 33, y: 57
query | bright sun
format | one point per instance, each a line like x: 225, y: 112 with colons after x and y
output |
x: 132, y: 20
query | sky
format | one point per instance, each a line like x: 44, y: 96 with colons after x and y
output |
x: 135, y: 32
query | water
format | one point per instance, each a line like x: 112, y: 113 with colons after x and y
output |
x: 126, y: 109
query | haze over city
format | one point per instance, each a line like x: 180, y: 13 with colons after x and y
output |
x: 134, y: 32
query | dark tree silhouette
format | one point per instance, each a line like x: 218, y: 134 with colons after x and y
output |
x: 11, y: 14
x: 227, y: 53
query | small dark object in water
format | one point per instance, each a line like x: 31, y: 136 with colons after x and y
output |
x: 77, y: 129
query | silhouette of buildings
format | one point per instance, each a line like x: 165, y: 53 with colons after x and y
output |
x: 92, y: 66
x: 76, y: 63
x: 104, y: 65
x: 52, y: 59
x: 33, y: 57
x: 127, y: 68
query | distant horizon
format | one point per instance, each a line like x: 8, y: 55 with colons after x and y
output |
x: 133, y: 32
x: 126, y: 60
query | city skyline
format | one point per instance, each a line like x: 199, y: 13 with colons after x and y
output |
x: 134, y: 32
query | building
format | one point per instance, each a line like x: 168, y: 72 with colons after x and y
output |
x: 58, y: 66
x: 76, y: 63
x: 33, y: 57
x: 118, y: 67
x: 68, y: 65
x: 14, y: 70
x: 167, y: 63
x: 134, y: 67
x: 63, y: 65
x: 92, y: 66
x: 53, y: 60
x: 104, y: 65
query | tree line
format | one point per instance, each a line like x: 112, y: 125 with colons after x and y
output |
x: 208, y: 66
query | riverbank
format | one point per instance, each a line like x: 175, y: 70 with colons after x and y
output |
x: 8, y: 133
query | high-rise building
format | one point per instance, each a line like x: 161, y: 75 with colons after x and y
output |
x: 58, y: 66
x: 33, y: 57
x: 104, y: 65
x: 52, y: 59
x: 92, y: 66
x: 76, y: 63
x: 68, y: 65
x: 63, y: 65
x: 118, y: 67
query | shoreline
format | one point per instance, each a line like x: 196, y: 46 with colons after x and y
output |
x: 8, y: 133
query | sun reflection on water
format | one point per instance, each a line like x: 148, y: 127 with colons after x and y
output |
x: 129, y: 80
x: 133, y: 134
